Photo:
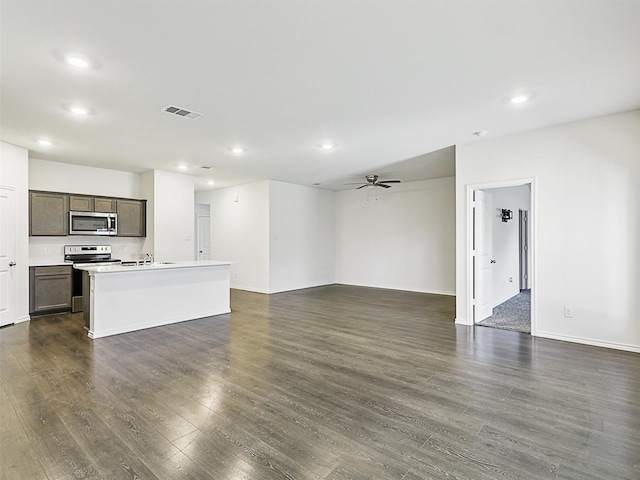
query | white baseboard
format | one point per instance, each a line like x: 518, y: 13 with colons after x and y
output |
x: 462, y: 321
x: 249, y: 289
x: 23, y: 319
x: 589, y: 341
x: 432, y: 292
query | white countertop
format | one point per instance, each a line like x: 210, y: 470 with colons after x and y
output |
x: 117, y: 268
x: 47, y: 261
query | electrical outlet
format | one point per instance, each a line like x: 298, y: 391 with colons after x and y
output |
x: 568, y: 312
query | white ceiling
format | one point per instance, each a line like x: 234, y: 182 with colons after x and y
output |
x: 388, y: 82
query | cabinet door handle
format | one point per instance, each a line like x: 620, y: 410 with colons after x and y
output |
x: 12, y: 264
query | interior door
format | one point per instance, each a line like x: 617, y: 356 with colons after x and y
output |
x: 7, y: 256
x: 483, y: 255
x: 204, y: 238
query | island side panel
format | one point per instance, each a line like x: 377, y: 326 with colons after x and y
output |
x: 134, y: 300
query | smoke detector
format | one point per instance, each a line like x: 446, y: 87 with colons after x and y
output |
x: 182, y: 112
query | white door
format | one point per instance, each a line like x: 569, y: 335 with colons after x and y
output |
x: 7, y: 256
x: 204, y: 238
x: 483, y: 253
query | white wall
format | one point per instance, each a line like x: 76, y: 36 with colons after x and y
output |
x: 401, y: 238
x: 173, y: 213
x: 68, y: 178
x: 240, y: 232
x: 301, y: 229
x: 506, y: 240
x: 14, y: 173
x: 586, y: 224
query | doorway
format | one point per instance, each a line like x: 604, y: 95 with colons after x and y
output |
x: 500, y: 251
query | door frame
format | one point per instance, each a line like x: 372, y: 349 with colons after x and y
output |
x: 471, y: 188
x: 523, y: 248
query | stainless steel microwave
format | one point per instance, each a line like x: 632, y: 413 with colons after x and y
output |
x: 93, y: 223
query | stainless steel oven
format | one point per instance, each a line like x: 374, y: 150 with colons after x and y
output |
x: 93, y: 223
x: 85, y: 255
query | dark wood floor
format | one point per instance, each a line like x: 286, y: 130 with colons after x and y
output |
x: 327, y: 383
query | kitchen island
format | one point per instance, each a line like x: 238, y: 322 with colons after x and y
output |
x: 125, y: 298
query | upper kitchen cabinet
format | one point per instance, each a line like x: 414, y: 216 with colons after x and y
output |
x: 84, y: 203
x: 80, y: 204
x: 105, y: 205
x: 48, y: 214
x: 132, y: 218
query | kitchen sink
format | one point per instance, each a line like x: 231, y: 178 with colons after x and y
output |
x: 140, y: 263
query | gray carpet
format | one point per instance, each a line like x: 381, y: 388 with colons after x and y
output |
x: 514, y: 314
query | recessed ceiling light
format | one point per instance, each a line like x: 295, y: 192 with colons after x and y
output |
x: 78, y: 110
x: 182, y: 166
x: 237, y: 150
x: 316, y: 184
x: 480, y: 133
x: 520, y: 97
x: 210, y: 182
x: 44, y: 142
x: 77, y: 62
x: 327, y: 147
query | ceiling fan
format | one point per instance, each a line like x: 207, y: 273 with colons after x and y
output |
x: 372, y: 181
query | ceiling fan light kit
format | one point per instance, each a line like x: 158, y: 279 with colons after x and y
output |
x: 372, y: 182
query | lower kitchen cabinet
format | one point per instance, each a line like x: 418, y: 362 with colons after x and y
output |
x: 49, y: 289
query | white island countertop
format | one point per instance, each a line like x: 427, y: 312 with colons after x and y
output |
x: 140, y: 266
x: 125, y: 298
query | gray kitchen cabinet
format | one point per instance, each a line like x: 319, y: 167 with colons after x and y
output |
x: 80, y: 203
x: 84, y: 203
x: 48, y: 214
x: 106, y: 205
x: 132, y: 218
x: 49, y: 289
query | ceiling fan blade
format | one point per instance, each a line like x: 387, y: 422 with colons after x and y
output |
x: 362, y: 186
x: 390, y: 181
x: 382, y: 185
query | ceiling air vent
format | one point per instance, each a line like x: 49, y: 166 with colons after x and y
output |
x: 182, y: 112
x: 207, y: 167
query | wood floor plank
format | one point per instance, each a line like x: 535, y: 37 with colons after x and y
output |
x: 17, y: 461
x: 333, y: 382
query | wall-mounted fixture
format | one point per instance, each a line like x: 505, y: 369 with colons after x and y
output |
x: 506, y: 215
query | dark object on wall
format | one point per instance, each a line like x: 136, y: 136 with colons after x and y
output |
x: 506, y: 215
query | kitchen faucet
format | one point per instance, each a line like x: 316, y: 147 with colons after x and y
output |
x: 148, y: 256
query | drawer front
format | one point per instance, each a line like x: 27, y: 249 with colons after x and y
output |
x: 52, y: 270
